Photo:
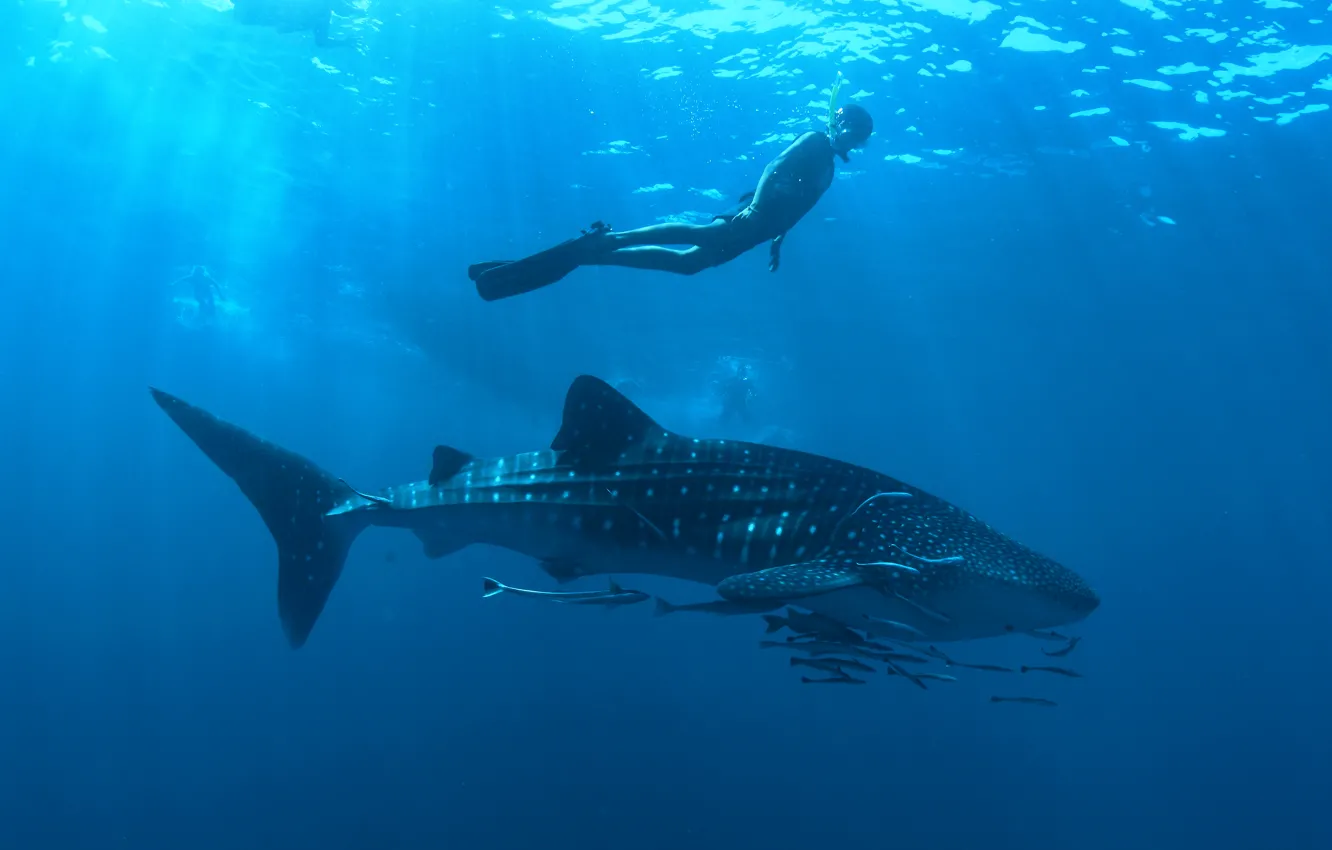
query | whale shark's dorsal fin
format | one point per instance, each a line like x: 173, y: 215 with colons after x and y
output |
x: 446, y: 462
x: 601, y: 424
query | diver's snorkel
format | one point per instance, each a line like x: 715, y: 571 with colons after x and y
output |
x: 832, y: 114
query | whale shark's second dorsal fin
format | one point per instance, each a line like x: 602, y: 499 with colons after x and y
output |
x: 600, y: 424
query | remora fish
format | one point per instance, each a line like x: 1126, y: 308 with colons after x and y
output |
x: 825, y: 628
x: 1048, y: 635
x: 910, y: 632
x: 835, y: 680
x: 831, y: 665
x: 821, y: 647
x: 719, y: 607
x: 614, y: 595
x: 1060, y: 671
x: 948, y: 662
x: 1065, y: 650
x: 618, y: 493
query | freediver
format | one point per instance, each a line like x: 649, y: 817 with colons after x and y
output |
x: 291, y: 16
x: 737, y: 393
x: 205, y: 290
x: 788, y: 189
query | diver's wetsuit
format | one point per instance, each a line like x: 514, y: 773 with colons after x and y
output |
x: 289, y: 16
x: 790, y: 187
x: 736, y: 395
x: 205, y: 290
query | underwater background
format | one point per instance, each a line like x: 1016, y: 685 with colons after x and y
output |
x: 1077, y: 283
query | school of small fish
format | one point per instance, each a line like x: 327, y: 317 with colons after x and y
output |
x: 819, y: 642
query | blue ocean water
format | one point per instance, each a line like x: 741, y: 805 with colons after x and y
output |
x: 1078, y: 283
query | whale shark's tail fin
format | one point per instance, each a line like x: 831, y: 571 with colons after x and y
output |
x: 294, y: 497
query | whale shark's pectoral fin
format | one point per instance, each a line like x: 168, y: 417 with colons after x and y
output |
x: 793, y: 581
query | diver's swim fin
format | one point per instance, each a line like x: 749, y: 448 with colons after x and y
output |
x: 496, y: 280
x: 477, y: 269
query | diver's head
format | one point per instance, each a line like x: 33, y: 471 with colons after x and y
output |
x: 851, y: 128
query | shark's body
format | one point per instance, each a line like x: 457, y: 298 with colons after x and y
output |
x: 617, y: 493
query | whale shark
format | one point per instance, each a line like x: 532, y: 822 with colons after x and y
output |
x: 618, y: 493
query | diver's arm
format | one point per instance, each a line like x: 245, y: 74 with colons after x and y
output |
x: 775, y: 252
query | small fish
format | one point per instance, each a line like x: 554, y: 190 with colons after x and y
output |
x: 615, y: 595
x: 938, y: 677
x: 902, y: 658
x: 935, y: 652
x: 1048, y: 634
x: 893, y: 624
x: 831, y: 665
x: 993, y: 668
x: 834, y: 680
x: 928, y: 612
x: 948, y: 662
x: 815, y: 625
x: 720, y: 607
x: 1027, y: 700
x: 1060, y: 653
x: 1062, y: 671
x: 895, y: 670
x: 823, y: 647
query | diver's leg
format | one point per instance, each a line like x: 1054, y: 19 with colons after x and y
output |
x: 643, y: 248
x: 672, y: 233
x: 656, y: 258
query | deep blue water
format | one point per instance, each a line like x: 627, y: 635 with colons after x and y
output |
x: 1106, y: 337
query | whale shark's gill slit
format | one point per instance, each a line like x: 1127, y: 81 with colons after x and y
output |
x: 378, y: 500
